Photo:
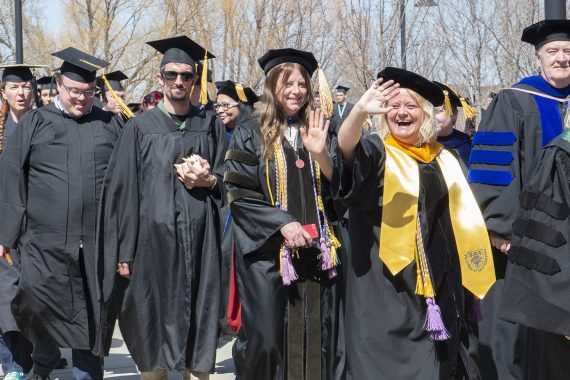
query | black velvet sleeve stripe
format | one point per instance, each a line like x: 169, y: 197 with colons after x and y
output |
x: 541, y: 202
x: 241, y: 156
x: 533, y: 260
x: 240, y: 180
x: 236, y: 194
x: 538, y: 231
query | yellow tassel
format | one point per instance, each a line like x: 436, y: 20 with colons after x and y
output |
x: 325, y: 93
x: 125, y: 111
x: 204, y: 80
x: 468, y: 110
x: 241, y: 93
x: 447, y: 104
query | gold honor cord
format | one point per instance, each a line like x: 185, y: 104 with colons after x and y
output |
x: 125, y: 111
x: 397, y: 246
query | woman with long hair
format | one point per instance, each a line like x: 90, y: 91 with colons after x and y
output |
x: 17, y: 98
x: 417, y: 239
x: 285, y: 250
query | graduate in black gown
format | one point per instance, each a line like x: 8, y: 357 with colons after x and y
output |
x: 516, y: 125
x: 234, y: 103
x: 538, y: 273
x: 285, y: 250
x: 419, y: 251
x: 17, y: 99
x: 51, y: 173
x: 160, y: 228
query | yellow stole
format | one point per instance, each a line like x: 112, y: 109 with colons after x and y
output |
x: 399, y: 225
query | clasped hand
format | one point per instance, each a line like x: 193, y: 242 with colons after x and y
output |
x: 193, y: 177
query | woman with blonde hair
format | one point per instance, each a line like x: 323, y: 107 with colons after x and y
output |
x: 285, y: 249
x: 417, y: 239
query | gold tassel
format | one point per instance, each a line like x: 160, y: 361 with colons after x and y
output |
x: 468, y: 110
x: 325, y: 93
x: 241, y: 93
x: 447, y: 104
x: 125, y: 111
x: 204, y: 81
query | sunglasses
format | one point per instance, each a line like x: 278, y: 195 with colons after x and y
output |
x: 172, y: 75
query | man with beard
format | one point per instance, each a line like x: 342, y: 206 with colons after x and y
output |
x: 51, y: 173
x: 159, y: 225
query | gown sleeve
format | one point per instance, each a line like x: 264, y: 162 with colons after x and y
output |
x: 14, y: 178
x: 356, y: 186
x: 118, y: 227
x: 257, y: 221
x: 218, y: 165
x: 538, y: 272
x: 495, y: 173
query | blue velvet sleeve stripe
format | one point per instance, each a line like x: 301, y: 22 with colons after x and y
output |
x: 491, y: 157
x: 494, y: 138
x: 490, y: 177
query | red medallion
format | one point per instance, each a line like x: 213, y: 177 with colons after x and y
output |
x: 300, y: 163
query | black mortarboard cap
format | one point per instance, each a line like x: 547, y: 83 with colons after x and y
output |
x: 275, y: 57
x: 114, y: 78
x: 45, y: 83
x: 415, y: 82
x: 79, y: 66
x: 450, y: 93
x: 17, y: 73
x: 343, y: 89
x: 547, y: 31
x: 180, y: 49
x: 237, y: 92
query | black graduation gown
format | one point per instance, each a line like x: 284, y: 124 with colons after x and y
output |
x: 538, y: 273
x: 509, y: 137
x: 9, y: 274
x: 336, y: 112
x: 169, y: 316
x: 384, y: 317
x: 51, y: 173
x: 271, y: 317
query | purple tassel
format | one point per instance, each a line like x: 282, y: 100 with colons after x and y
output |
x: 332, y: 272
x: 476, y: 315
x: 288, y: 274
x: 326, y: 262
x: 434, y: 323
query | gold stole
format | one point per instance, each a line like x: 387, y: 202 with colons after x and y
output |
x: 397, y: 247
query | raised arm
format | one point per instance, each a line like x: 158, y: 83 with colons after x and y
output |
x: 372, y: 102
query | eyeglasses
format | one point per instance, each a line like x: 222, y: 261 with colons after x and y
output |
x: 75, y: 93
x: 224, y: 106
x: 186, y: 76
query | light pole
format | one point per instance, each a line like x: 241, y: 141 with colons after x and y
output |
x: 555, y: 9
x: 18, y: 27
x: 402, y: 7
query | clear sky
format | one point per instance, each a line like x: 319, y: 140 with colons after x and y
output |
x: 53, y: 12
